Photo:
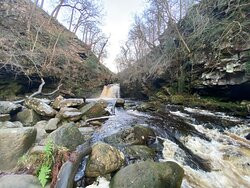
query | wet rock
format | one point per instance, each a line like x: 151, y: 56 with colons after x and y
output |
x: 149, y: 174
x: 20, y: 181
x: 4, y: 117
x: 40, y: 107
x: 87, y: 132
x: 95, y: 109
x: 96, y: 123
x: 247, y: 136
x: 7, y: 107
x: 13, y: 144
x: 139, y: 152
x: 41, y: 133
x: 119, y: 103
x: 8, y: 124
x: 28, y: 117
x: 52, y: 125
x: 67, y: 136
x: 72, y: 114
x: 104, y: 159
x: 137, y: 135
x: 61, y: 102
x: 145, y: 107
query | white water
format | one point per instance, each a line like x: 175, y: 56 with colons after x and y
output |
x: 111, y: 91
x: 228, y: 155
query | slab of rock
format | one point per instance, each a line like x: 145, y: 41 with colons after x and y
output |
x: 137, y: 135
x: 148, y: 174
x: 104, y: 159
x: 9, y: 124
x: 67, y: 136
x: 40, y: 107
x: 96, y: 109
x: 19, y: 181
x: 60, y: 102
x: 14, y: 143
x: 72, y: 114
x: 120, y: 103
x: 28, y: 117
x: 4, y: 117
x: 7, y: 107
x: 52, y: 125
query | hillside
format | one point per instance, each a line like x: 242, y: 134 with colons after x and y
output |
x: 217, y: 33
x: 45, y: 49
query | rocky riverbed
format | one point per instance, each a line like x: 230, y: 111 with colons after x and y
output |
x: 118, y: 143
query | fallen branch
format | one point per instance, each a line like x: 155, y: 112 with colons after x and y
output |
x: 53, y: 92
x: 69, y: 169
x: 39, y: 91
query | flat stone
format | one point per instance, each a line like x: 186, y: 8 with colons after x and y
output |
x: 9, y: 124
x: 7, y: 107
x: 72, y: 114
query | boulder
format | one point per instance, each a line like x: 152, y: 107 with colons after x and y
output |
x: 67, y: 136
x: 72, y: 114
x: 8, y: 124
x: 14, y: 143
x: 7, y: 107
x: 93, y: 110
x: 60, y: 103
x: 28, y: 117
x: 52, y: 125
x: 87, y: 132
x: 20, y: 181
x: 41, y: 133
x: 139, y: 152
x: 148, y: 174
x: 137, y: 135
x: 4, y: 117
x: 104, y: 159
x: 40, y: 107
x: 120, y: 103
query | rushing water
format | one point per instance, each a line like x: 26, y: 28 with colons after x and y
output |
x: 210, y: 146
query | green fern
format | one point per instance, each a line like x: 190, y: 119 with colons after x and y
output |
x: 44, y: 175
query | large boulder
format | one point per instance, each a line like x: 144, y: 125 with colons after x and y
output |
x: 67, y: 136
x: 87, y: 132
x: 104, y: 159
x: 20, y: 181
x: 137, y: 135
x: 148, y: 174
x: 40, y: 107
x: 60, y: 102
x: 7, y: 107
x: 28, y: 117
x: 14, y: 143
x: 139, y: 153
x: 71, y: 114
x: 119, y: 103
x: 95, y: 109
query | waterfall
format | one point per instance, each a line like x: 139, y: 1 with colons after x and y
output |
x: 111, y: 91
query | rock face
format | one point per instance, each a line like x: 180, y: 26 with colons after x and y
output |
x: 20, y: 181
x: 149, y: 174
x: 28, y: 117
x: 13, y: 144
x: 137, y: 135
x: 119, y: 103
x: 40, y: 107
x: 72, y: 114
x: 104, y: 159
x: 7, y: 107
x: 67, y: 136
x: 60, y: 102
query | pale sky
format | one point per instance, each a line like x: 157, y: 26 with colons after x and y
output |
x: 119, y: 16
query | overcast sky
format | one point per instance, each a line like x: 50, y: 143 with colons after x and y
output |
x: 119, y: 16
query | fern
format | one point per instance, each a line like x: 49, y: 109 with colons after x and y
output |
x: 44, y: 175
x: 45, y: 170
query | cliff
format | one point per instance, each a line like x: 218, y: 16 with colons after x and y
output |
x: 44, y: 49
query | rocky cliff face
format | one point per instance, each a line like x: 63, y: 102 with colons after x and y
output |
x: 45, y: 49
x: 217, y: 33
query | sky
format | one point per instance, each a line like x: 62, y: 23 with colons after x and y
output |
x: 119, y: 17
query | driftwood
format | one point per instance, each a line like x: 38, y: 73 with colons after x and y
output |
x: 39, y: 91
x: 65, y: 178
x: 97, y: 119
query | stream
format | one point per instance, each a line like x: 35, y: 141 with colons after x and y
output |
x: 210, y: 146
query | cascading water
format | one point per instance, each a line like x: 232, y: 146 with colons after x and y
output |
x: 111, y: 91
